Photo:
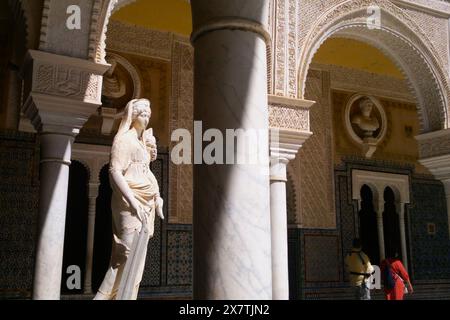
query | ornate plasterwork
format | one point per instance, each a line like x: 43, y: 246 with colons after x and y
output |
x: 348, y: 79
x: 289, y: 113
x: 400, y: 38
x: 130, y: 38
x: 314, y: 165
x: 285, y: 48
x: 56, y: 81
x: 182, y: 116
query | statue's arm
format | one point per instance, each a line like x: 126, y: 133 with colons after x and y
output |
x: 119, y: 163
x: 150, y: 143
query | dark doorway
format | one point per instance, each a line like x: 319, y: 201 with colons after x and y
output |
x: 391, y: 225
x: 76, y: 228
x: 368, y: 226
x: 103, y: 230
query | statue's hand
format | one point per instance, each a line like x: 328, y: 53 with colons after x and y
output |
x: 137, y: 210
x: 159, y: 207
x: 153, y: 154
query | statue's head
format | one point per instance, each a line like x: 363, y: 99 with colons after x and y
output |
x: 137, y: 114
x: 366, y: 106
x: 141, y: 113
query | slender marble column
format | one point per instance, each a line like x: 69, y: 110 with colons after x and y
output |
x: 278, y: 214
x: 381, y: 229
x: 57, y: 110
x: 401, y: 216
x: 284, y: 145
x: 93, y: 193
x: 54, y: 180
x: 232, y: 240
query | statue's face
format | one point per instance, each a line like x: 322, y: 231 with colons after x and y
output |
x: 366, y: 107
x: 141, y: 115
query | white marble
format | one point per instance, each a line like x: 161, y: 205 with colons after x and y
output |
x: 54, y: 179
x: 232, y: 241
x: 380, y: 229
x: 135, y: 202
x: 93, y: 193
x: 401, y: 217
x: 278, y: 215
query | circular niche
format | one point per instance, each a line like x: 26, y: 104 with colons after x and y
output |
x: 121, y: 83
x: 365, y: 122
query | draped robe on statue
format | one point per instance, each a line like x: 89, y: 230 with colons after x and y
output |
x: 131, y: 158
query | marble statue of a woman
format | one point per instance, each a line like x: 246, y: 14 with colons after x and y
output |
x: 135, y: 200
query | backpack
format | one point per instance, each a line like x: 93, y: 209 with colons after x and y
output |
x: 389, y: 282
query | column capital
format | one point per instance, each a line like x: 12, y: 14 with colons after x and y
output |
x: 434, y: 144
x: 285, y: 143
x: 289, y: 125
x: 214, y: 15
x: 439, y: 166
x: 62, y: 92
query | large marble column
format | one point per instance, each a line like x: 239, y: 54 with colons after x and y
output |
x: 231, y: 225
x: 54, y: 180
x: 61, y: 93
x: 284, y: 145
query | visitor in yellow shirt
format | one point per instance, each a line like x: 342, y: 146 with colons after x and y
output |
x: 359, y: 267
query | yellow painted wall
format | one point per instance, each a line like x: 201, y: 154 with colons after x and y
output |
x: 165, y: 15
x: 356, y: 55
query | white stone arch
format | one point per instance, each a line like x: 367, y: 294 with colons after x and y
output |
x: 86, y: 166
x: 373, y: 188
x: 377, y: 182
x: 401, y: 40
x: 27, y: 14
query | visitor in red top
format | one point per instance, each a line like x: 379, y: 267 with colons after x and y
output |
x: 400, y: 277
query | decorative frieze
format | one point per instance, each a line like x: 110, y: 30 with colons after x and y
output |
x: 289, y: 113
x: 61, y: 91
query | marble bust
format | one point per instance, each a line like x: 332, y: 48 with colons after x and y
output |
x: 135, y: 200
x: 364, y: 120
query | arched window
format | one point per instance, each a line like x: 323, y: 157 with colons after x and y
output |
x: 368, y: 225
x: 391, y: 225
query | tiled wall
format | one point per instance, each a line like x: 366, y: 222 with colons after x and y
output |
x: 19, y: 192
